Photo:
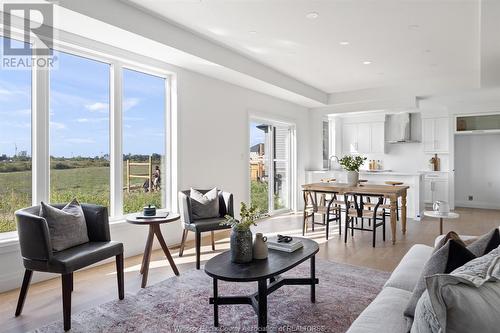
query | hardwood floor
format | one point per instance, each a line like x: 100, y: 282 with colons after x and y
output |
x: 98, y: 285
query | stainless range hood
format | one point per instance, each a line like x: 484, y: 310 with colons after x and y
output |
x: 403, y: 127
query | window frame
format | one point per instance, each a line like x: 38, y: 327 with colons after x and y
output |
x: 118, y: 59
x: 291, y: 162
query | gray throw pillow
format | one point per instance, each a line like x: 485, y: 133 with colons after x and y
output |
x: 204, y: 206
x: 468, y: 299
x: 449, y: 257
x: 67, y: 226
x: 450, y: 235
x: 485, y: 243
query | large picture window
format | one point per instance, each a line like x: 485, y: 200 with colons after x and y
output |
x: 76, y: 119
x: 15, y: 142
x: 143, y: 140
x: 79, y: 130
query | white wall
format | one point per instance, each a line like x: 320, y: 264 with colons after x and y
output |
x: 213, y: 151
x: 214, y: 133
x: 477, y: 161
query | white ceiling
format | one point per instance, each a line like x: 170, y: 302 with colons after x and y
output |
x: 406, y: 41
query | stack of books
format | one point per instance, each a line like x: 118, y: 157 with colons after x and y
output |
x: 293, y: 245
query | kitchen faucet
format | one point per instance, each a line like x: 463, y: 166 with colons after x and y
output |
x: 330, y: 161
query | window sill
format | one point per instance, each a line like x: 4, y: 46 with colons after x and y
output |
x: 9, y: 241
x: 8, y: 237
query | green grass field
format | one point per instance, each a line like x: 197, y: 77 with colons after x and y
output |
x: 87, y: 184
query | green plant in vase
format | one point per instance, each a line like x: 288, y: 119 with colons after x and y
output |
x: 241, y: 235
x: 351, y: 164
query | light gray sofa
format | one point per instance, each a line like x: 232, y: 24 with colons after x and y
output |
x: 385, y: 313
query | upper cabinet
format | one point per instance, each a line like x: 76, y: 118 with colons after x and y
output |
x: 477, y: 124
x: 436, y: 134
x: 363, y: 138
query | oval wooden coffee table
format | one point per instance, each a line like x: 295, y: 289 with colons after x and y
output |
x: 220, y: 267
x: 154, y: 229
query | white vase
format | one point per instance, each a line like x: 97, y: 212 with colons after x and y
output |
x: 260, y: 246
x: 352, y: 178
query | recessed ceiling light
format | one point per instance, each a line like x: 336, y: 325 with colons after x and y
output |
x: 312, y: 15
x: 344, y: 43
x: 367, y: 62
x: 252, y: 32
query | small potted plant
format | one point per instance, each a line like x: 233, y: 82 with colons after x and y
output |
x: 241, y: 236
x: 351, y: 164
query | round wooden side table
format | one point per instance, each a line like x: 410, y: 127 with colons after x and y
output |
x: 154, y: 229
x: 441, y: 216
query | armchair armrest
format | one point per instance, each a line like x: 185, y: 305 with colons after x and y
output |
x: 34, y: 237
x: 185, y: 208
x: 228, y: 204
x: 97, y: 222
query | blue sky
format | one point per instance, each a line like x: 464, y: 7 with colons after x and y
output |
x: 256, y: 135
x: 15, y: 109
x: 79, y: 109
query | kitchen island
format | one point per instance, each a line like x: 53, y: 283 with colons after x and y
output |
x: 415, y: 181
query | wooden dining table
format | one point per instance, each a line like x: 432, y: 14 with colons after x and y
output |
x: 390, y: 192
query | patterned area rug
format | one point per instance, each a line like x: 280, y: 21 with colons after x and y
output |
x: 180, y: 304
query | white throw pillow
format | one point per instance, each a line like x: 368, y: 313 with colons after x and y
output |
x: 204, y: 206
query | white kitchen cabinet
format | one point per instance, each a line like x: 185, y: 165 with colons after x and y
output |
x: 435, y: 134
x: 363, y: 138
x: 349, y: 138
x: 428, y: 191
x: 440, y: 191
x: 377, y: 138
x: 436, y: 188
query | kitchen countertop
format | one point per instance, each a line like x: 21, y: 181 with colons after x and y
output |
x: 368, y: 172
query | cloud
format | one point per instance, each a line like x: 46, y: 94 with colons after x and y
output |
x: 80, y: 141
x: 20, y: 112
x: 5, y: 92
x: 92, y: 120
x: 129, y: 103
x: 57, y: 126
x: 8, y: 91
x: 16, y: 124
x: 97, y: 107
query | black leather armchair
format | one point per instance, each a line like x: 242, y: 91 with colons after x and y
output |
x: 203, y: 225
x: 36, y: 250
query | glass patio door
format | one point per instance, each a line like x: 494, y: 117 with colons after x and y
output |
x: 270, y: 151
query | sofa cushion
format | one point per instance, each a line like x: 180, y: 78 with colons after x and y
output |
x: 425, y: 320
x: 450, y: 235
x: 465, y: 238
x: 67, y: 226
x: 449, y: 257
x: 384, y: 314
x: 468, y: 299
x: 406, y: 274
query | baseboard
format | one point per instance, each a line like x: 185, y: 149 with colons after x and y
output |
x: 477, y: 204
